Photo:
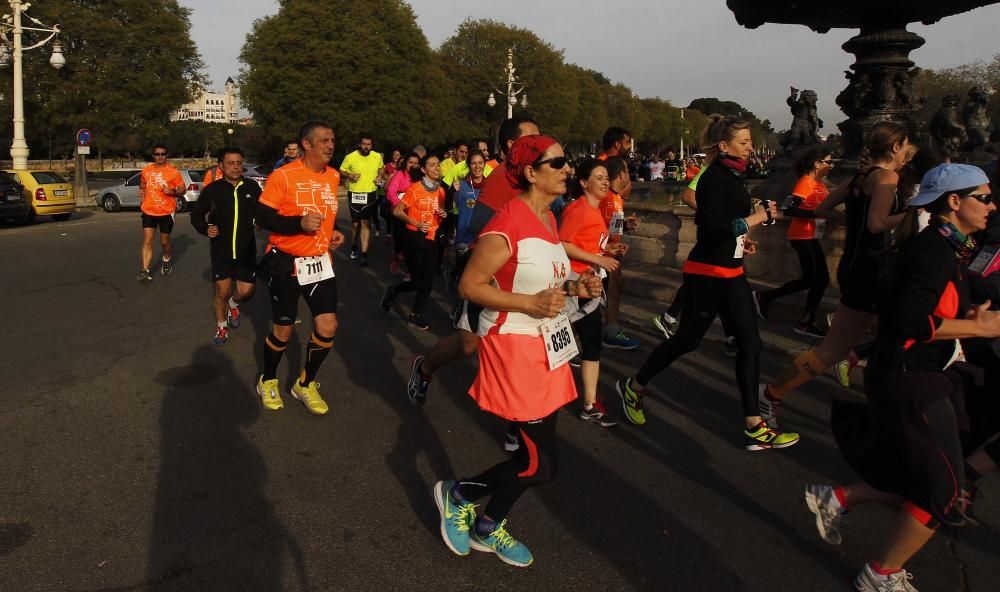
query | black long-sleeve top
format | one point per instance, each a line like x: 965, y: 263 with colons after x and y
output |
x: 723, y: 203
x: 231, y: 208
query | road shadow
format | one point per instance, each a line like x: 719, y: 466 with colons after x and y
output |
x: 213, y: 526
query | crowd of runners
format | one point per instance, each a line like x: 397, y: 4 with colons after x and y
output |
x: 535, y: 242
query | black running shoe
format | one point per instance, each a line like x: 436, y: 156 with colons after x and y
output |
x: 418, y: 321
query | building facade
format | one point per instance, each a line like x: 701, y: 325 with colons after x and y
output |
x: 212, y: 107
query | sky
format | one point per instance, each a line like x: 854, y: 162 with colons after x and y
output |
x: 674, y: 50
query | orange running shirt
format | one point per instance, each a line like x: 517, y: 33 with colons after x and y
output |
x: 613, y: 209
x: 422, y: 205
x: 813, y: 193
x: 294, y: 190
x: 156, y: 179
x: 211, y: 175
x: 583, y: 225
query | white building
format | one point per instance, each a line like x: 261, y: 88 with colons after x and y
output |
x: 212, y: 107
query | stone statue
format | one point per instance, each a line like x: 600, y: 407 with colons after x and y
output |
x: 946, y: 128
x: 976, y: 117
x: 854, y: 97
x: 908, y: 94
x: 805, y: 121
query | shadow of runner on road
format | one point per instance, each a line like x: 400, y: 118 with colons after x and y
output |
x: 213, y: 527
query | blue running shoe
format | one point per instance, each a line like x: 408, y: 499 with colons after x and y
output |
x: 456, y: 519
x: 500, y: 542
x: 620, y: 341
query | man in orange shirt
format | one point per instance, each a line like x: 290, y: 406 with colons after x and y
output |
x: 213, y: 174
x: 299, y: 207
x: 160, y: 184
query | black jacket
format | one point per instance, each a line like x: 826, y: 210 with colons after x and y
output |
x: 722, y: 198
x: 232, y: 209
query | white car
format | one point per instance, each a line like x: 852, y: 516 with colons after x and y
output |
x: 126, y: 195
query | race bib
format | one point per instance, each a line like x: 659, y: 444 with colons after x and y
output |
x: 740, y: 242
x: 359, y: 198
x: 310, y: 270
x: 560, y: 345
x: 820, y: 228
x: 617, y: 227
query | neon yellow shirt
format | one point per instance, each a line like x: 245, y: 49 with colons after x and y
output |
x: 366, y: 166
x: 461, y: 171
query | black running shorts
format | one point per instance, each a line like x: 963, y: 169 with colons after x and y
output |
x: 164, y: 223
x: 321, y: 297
x: 363, y: 206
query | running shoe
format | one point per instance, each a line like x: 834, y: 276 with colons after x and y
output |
x: 166, y: 267
x: 829, y: 319
x: 967, y: 496
x: 768, y: 407
x: 666, y: 324
x: 598, y: 414
x: 354, y: 254
x: 221, y: 336
x: 503, y: 544
x: 731, y: 349
x: 388, y: 297
x: 764, y: 437
x: 144, y: 276
x: 631, y: 401
x: 823, y: 502
x: 233, y: 318
x: 871, y: 581
x: 417, y: 385
x: 364, y: 260
x: 269, y: 395
x: 418, y: 321
x: 310, y: 397
x: 456, y: 519
x: 511, y: 443
x: 620, y: 341
x: 759, y: 305
x: 809, y: 330
x: 844, y: 373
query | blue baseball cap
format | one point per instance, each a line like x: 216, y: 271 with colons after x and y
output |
x: 945, y: 178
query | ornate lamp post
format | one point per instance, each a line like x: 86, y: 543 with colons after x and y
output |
x: 514, y: 88
x: 11, y: 23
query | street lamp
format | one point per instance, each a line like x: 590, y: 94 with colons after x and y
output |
x: 514, y: 88
x: 11, y: 23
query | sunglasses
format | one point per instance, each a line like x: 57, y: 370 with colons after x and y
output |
x: 827, y: 162
x: 557, y: 163
x: 983, y: 198
x: 159, y: 154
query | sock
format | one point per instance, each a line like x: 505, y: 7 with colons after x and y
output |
x: 880, y: 571
x: 611, y: 331
x: 233, y: 303
x: 274, y: 348
x: 221, y: 324
x: 805, y: 367
x: 316, y: 351
x: 423, y: 375
x: 166, y: 259
x: 485, y: 526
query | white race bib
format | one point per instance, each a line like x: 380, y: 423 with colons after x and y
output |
x: 740, y: 242
x: 310, y: 270
x: 560, y: 345
x: 359, y: 198
x: 820, y: 228
x: 617, y: 224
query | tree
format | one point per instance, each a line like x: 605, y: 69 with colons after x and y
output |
x: 363, y: 67
x: 129, y: 64
x: 761, y: 131
x: 936, y: 84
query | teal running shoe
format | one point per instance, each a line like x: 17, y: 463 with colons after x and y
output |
x: 500, y: 542
x: 456, y: 519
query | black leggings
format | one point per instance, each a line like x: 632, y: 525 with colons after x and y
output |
x: 588, y: 329
x: 675, y: 311
x: 815, y: 276
x: 706, y: 297
x: 421, y: 262
x: 533, y: 464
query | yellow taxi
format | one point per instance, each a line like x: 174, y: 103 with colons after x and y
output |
x: 48, y: 193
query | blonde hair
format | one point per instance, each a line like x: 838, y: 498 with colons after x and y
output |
x: 720, y: 128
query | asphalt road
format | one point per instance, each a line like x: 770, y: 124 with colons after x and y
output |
x: 137, y: 456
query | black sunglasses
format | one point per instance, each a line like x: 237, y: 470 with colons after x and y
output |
x: 159, y: 154
x: 828, y: 161
x: 983, y: 198
x: 557, y: 163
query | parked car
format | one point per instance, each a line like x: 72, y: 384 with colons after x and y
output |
x: 47, y: 193
x: 126, y: 195
x: 12, y: 202
x: 257, y: 172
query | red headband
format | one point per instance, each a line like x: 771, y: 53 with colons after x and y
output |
x: 525, y: 151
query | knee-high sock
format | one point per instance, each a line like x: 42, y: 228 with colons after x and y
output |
x: 274, y: 348
x: 316, y: 351
x: 805, y: 367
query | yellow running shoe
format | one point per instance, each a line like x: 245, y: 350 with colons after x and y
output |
x: 269, y: 395
x: 309, y: 395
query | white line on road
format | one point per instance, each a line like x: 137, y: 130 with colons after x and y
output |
x: 60, y: 226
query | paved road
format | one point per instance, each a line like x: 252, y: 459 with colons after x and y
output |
x: 136, y: 455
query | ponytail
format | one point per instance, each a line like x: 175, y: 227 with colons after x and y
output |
x: 720, y: 128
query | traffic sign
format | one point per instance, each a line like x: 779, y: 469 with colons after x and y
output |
x: 84, y: 137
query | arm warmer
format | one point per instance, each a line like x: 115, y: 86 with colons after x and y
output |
x: 269, y: 219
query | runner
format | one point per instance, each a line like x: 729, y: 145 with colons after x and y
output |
x: 213, y: 174
x: 904, y: 444
x: 873, y: 210
x: 617, y: 142
x: 225, y: 213
x: 299, y: 207
x: 714, y: 279
x: 495, y: 193
x: 465, y: 201
x: 421, y: 208
x: 458, y: 153
x: 584, y: 235
x: 160, y: 184
x: 519, y: 273
x: 398, y: 184
x: 804, y: 232
x: 363, y: 169
x: 291, y: 154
